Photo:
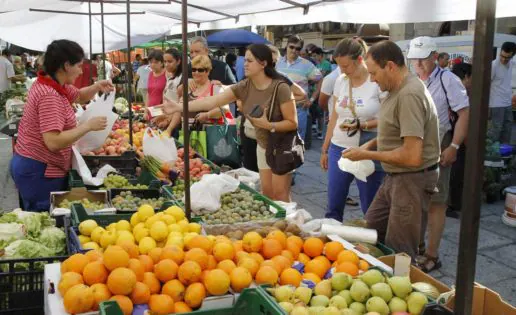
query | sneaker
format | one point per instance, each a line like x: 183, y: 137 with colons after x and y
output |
x: 320, y: 136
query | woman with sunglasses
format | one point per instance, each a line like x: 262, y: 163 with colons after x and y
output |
x: 352, y: 119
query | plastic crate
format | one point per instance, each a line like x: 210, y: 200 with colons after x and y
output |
x: 79, y: 214
x: 125, y: 163
x: 141, y: 193
x: 146, y: 178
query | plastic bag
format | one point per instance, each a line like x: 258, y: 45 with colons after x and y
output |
x: 360, y: 169
x: 205, y: 194
x: 314, y: 227
x: 248, y: 177
x: 80, y: 166
x: 159, y: 145
x: 102, y: 106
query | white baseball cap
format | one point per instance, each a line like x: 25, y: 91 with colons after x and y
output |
x: 421, y: 47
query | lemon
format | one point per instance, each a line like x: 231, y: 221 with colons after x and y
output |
x: 141, y: 233
x: 175, y: 228
x: 111, y: 227
x: 150, y: 221
x: 184, y: 225
x: 146, y: 244
x: 176, y: 240
x: 159, y: 231
x: 168, y: 219
x: 90, y: 245
x: 176, y: 212
x: 176, y: 234
x: 108, y: 238
x: 97, y: 233
x: 194, y: 227
x: 145, y: 212
x: 86, y: 227
x: 84, y: 239
x: 188, y: 236
x: 123, y: 225
x: 161, y: 244
x: 135, y: 219
x: 125, y: 235
x: 212, y: 238
x: 138, y: 226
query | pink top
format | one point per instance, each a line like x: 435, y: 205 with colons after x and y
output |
x: 46, y: 110
x: 155, y: 87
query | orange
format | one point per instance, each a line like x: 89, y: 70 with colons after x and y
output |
x: 94, y: 254
x: 212, y: 263
x: 115, y: 257
x: 94, y: 272
x: 267, y: 275
x: 271, y: 248
x: 303, y: 258
x: 147, y: 263
x: 293, y: 248
x: 290, y: 276
x: 223, y: 251
x: 161, y: 304
x: 279, y: 236
x: 195, y: 294
x: 217, y: 282
x: 166, y: 270
x: 238, y: 245
x: 240, y: 278
x: 199, y: 256
x: 75, y: 263
x: 100, y: 294
x: 288, y: 254
x: 324, y: 261
x: 250, y: 264
x: 173, y: 252
x: 175, y: 289
x: 222, y: 239
x: 312, y: 277
x: 204, y: 273
x: 121, y: 281
x: 332, y: 250
x: 348, y: 267
x: 200, y: 241
x: 313, y: 247
x: 78, y: 299
x: 131, y: 248
x: 189, y: 272
x: 140, y: 294
x: 152, y: 282
x: 295, y: 240
x: 256, y: 256
x: 363, y: 265
x: 349, y: 256
x: 252, y: 242
x: 270, y: 263
x: 226, y: 265
x: 240, y: 255
x: 282, y: 261
x: 68, y: 280
x: 155, y: 254
x: 316, y: 267
x: 125, y: 303
x: 137, y: 267
x: 181, y: 307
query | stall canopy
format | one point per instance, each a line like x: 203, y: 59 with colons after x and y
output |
x: 34, y: 30
x: 235, y: 38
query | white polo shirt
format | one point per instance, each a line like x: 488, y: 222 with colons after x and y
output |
x: 501, y: 90
x: 328, y: 86
x: 6, y: 73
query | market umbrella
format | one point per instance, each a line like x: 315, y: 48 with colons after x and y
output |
x: 235, y: 38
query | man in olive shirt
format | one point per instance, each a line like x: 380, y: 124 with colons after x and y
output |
x: 408, y: 147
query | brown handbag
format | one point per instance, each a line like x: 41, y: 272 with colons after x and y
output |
x: 285, y: 150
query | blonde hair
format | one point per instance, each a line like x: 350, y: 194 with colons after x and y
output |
x: 202, y: 61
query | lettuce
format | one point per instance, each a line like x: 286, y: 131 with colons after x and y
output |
x: 54, y: 239
x: 11, y: 231
x: 9, y: 218
x: 27, y: 249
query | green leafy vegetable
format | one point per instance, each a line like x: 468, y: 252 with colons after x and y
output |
x: 54, y: 239
x: 27, y: 249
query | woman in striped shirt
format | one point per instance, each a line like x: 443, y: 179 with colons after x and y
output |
x: 48, y: 128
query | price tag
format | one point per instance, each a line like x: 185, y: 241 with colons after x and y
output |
x: 12, y: 126
x: 155, y: 111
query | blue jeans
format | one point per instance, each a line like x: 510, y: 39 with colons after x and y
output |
x: 302, y: 120
x: 339, y: 182
x: 34, y: 187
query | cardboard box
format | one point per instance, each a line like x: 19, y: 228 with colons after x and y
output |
x: 78, y: 193
x: 486, y: 302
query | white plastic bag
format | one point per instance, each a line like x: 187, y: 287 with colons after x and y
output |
x: 206, y: 193
x: 80, y: 166
x: 159, y: 145
x: 102, y: 106
x: 360, y: 169
x: 314, y: 227
x: 248, y: 177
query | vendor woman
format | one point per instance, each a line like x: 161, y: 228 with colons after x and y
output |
x: 48, y: 128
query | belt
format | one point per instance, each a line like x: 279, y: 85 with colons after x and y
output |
x: 428, y: 169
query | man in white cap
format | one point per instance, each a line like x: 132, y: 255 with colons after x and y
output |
x: 452, y: 104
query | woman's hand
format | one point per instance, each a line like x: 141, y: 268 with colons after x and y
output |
x: 261, y: 122
x: 97, y: 123
x: 203, y: 117
x: 348, y: 126
x: 324, y: 161
x: 105, y: 86
x: 170, y: 107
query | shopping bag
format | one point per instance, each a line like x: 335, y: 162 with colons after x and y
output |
x: 205, y: 194
x: 222, y: 145
x: 102, y: 106
x: 197, y: 139
x: 83, y: 170
x: 159, y: 145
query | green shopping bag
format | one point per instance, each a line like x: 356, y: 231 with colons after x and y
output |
x: 223, y: 146
x: 197, y: 138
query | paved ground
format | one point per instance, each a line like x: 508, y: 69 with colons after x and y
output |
x: 496, y: 260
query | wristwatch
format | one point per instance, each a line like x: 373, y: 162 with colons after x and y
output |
x: 456, y: 146
x: 273, y: 129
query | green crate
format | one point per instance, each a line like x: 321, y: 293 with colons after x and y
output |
x: 385, y: 249
x: 145, y: 178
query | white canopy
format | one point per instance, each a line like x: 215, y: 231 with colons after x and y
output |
x: 25, y: 27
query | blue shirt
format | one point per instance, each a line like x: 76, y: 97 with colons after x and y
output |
x: 240, y: 73
x: 301, y: 71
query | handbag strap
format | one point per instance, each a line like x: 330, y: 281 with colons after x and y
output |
x: 351, y: 102
x: 273, y: 100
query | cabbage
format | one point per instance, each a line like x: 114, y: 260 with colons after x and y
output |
x: 54, y: 239
x: 11, y: 232
x: 122, y: 100
x: 9, y: 218
x: 27, y: 249
x: 34, y: 222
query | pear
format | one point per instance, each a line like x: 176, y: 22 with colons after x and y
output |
x: 348, y: 311
x: 358, y: 307
x: 372, y: 277
x: 416, y: 302
x: 299, y: 310
x: 315, y: 310
x: 331, y: 310
x: 320, y: 300
x: 341, y: 281
x: 339, y: 302
x: 397, y: 305
x: 359, y: 291
x: 285, y: 293
x: 377, y: 304
x: 382, y: 290
x: 323, y: 288
x: 287, y: 306
x: 304, y: 294
x: 401, y: 286
x: 345, y: 294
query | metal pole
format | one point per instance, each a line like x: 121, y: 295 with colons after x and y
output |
x: 186, y: 135
x: 129, y: 72
x: 91, y: 43
x: 479, y: 106
x: 103, y: 43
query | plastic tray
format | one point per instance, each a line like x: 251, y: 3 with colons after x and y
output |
x: 146, y: 178
x: 125, y: 163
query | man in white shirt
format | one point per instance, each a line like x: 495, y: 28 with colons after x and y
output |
x: 142, y: 76
x: 7, y: 74
x: 500, y: 96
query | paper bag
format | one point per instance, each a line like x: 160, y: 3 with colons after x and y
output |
x: 159, y: 145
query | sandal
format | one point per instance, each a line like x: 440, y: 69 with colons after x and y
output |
x: 430, y: 264
x: 421, y: 249
x: 351, y: 202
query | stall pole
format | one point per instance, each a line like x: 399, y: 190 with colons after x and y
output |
x: 471, y: 200
x: 103, y: 43
x: 129, y: 72
x: 186, y: 134
x: 91, y: 43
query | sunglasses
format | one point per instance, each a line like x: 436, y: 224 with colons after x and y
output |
x: 200, y: 70
x: 506, y: 57
x: 295, y: 47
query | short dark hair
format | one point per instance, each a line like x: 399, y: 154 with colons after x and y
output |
x: 317, y: 51
x: 177, y: 56
x: 157, y: 55
x: 385, y: 51
x: 145, y: 61
x: 509, y: 47
x: 137, y: 56
x: 352, y: 47
x: 462, y: 70
x: 60, y: 52
x: 443, y: 55
x: 295, y: 39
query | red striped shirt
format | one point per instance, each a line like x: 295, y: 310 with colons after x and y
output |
x: 46, y: 110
